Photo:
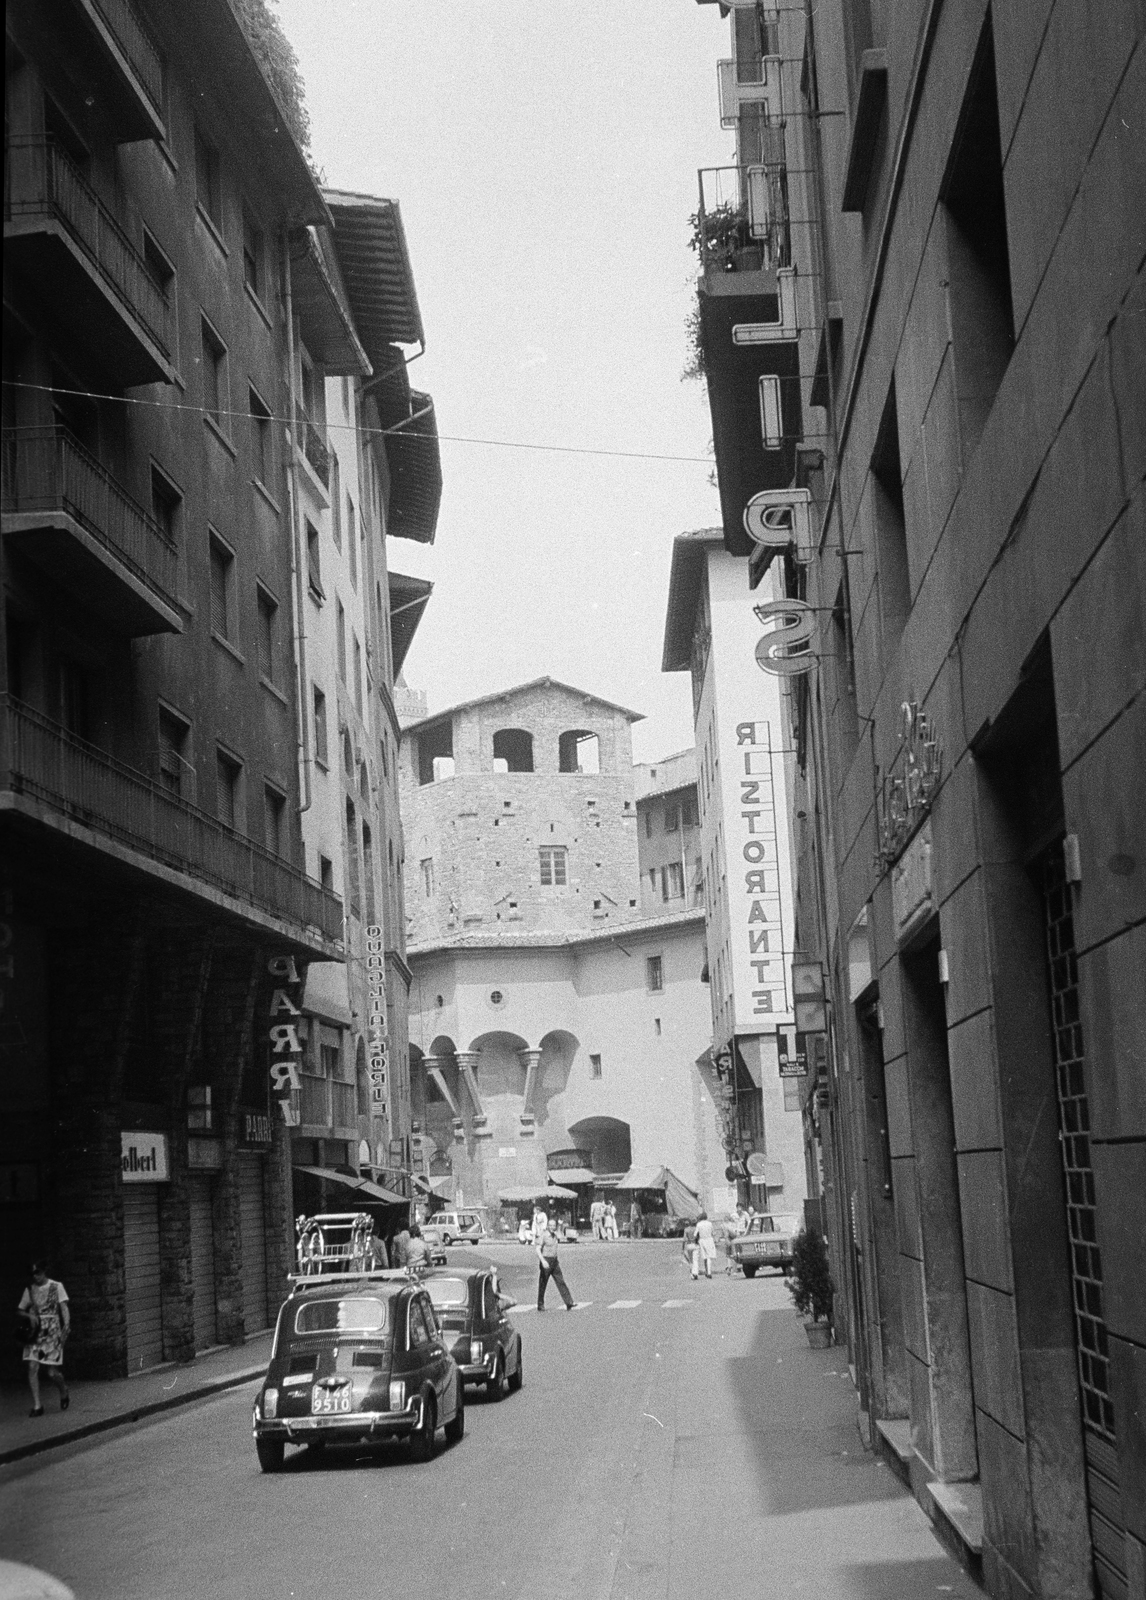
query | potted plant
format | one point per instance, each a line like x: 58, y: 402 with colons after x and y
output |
x: 810, y: 1285
x: 719, y: 236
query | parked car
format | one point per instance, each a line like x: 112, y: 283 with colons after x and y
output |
x: 454, y: 1227
x: 359, y: 1359
x: 478, y: 1334
x: 767, y: 1242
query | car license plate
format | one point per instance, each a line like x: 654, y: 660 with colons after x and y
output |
x: 324, y: 1402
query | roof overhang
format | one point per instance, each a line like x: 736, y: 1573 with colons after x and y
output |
x: 323, y: 315
x: 408, y: 600
x: 375, y: 263
x: 689, y: 557
x: 415, y: 460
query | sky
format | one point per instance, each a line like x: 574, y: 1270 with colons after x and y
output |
x: 544, y: 155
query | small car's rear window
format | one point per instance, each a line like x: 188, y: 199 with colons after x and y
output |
x: 447, y: 1291
x: 341, y: 1316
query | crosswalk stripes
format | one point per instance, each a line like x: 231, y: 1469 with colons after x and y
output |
x: 624, y: 1305
x: 615, y: 1305
x: 673, y: 1305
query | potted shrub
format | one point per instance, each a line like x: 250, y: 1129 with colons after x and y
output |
x: 810, y: 1285
x: 719, y: 235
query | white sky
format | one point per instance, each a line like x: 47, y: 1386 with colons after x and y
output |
x: 544, y: 153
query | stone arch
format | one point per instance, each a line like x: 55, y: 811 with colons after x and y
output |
x: 500, y: 1064
x: 579, y: 750
x: 437, y: 1115
x: 558, y: 1051
x: 513, y: 749
x: 608, y: 1141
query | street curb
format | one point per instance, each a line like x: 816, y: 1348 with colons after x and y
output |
x: 136, y: 1414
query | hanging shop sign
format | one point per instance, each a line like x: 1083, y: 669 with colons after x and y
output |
x: 377, y: 1019
x: 757, y: 949
x: 786, y: 651
x: 779, y: 522
x: 143, y: 1157
x: 285, y: 1046
x: 904, y: 793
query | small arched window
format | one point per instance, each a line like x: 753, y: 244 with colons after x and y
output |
x: 578, y: 750
x: 512, y: 750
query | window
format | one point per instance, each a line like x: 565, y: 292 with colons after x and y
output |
x: 262, y: 459
x: 326, y: 873
x: 228, y: 775
x: 214, y: 365
x: 771, y: 423
x: 222, y: 577
x: 552, y: 865
x: 321, y: 751
x: 354, y: 884
x: 313, y: 562
x: 648, y: 823
x: 340, y: 640
x: 268, y: 630
x: 978, y: 256
x: 173, y: 763
x: 672, y: 819
x: 594, y: 1066
x: 578, y: 750
x: 159, y: 268
x: 435, y: 750
x: 893, y: 572
x: 274, y: 813
x: 688, y: 811
x: 653, y: 879
x: 672, y: 881
x: 368, y: 868
x: 208, y: 181
x: 352, y: 542
x: 166, y: 505
x: 427, y: 867
x: 654, y: 974
x: 512, y: 750
x: 254, y: 251
x: 336, y: 501
x: 357, y: 674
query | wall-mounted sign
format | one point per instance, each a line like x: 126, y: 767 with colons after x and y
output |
x: 786, y: 651
x: 286, y: 1047
x: 778, y: 521
x: 757, y: 926
x: 911, y: 900
x: 904, y: 793
x: 143, y: 1157
x: 254, y: 1128
x: 377, y: 1020
x: 568, y: 1160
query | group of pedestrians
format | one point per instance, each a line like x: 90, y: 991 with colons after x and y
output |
x: 603, y: 1220
x: 698, y: 1246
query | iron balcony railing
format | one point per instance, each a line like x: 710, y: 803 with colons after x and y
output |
x: 124, y: 23
x: 742, y: 222
x: 46, y: 469
x: 41, y: 759
x: 41, y: 181
x: 315, y: 448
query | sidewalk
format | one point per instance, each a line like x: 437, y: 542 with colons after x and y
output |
x: 97, y: 1404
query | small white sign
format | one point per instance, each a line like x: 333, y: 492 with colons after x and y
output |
x: 144, y: 1157
x: 506, y: 1152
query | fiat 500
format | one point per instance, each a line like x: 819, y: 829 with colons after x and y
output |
x: 766, y: 1243
x: 358, y: 1359
x: 480, y: 1337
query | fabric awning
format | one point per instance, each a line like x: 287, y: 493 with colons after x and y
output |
x: 362, y: 1186
x: 643, y: 1178
x: 680, y: 1201
x: 573, y: 1175
x: 520, y: 1193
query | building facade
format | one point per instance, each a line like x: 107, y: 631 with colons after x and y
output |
x: 549, y: 1011
x: 153, y: 866
x: 966, y: 834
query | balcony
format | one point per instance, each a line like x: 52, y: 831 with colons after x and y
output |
x: 132, y: 71
x: 50, y: 777
x: 741, y: 227
x: 73, y: 254
x: 315, y: 448
x: 64, y: 510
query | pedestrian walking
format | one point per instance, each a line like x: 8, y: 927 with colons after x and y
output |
x: 597, y: 1218
x: 690, y: 1249
x: 611, y: 1221
x: 636, y: 1220
x: 44, y: 1311
x: 706, y: 1240
x: 540, y: 1222
x: 417, y: 1251
x: 550, y: 1268
x: 400, y: 1247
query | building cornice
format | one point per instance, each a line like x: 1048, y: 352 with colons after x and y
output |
x: 616, y: 933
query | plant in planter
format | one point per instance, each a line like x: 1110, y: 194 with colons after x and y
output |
x: 810, y: 1285
x: 719, y: 235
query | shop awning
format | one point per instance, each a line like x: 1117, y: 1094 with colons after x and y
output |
x: 679, y: 1198
x: 573, y: 1175
x: 424, y: 1186
x: 363, y: 1186
x: 521, y: 1193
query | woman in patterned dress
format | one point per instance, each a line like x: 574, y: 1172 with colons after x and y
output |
x: 45, y: 1305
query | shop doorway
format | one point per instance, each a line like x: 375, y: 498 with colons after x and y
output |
x: 143, y: 1311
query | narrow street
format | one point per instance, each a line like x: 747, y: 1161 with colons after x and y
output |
x: 672, y: 1440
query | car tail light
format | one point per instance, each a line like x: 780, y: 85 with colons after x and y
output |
x: 270, y: 1404
x: 397, y: 1394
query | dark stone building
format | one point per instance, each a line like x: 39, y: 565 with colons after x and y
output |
x: 152, y: 860
x: 969, y: 721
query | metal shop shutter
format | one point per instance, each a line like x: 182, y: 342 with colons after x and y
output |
x: 253, y: 1233
x: 202, y: 1262
x: 142, y: 1304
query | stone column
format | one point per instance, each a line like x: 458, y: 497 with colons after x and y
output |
x: 433, y: 1065
x: 530, y: 1059
x: 467, y: 1065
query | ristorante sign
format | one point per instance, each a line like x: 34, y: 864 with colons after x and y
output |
x: 904, y: 793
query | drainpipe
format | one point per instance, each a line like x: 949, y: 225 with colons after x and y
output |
x: 297, y: 557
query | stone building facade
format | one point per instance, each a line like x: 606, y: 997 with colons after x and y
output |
x: 965, y: 674
x: 547, y: 1012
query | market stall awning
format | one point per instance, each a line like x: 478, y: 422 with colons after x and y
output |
x: 363, y: 1186
x: 520, y: 1193
x: 680, y: 1201
x: 573, y: 1175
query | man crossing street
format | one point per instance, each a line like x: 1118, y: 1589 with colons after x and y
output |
x: 550, y: 1268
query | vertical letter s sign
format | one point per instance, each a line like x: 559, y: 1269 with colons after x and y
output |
x: 786, y: 650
